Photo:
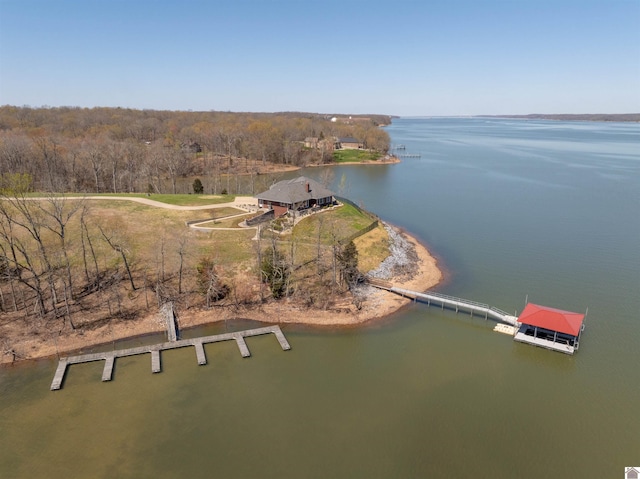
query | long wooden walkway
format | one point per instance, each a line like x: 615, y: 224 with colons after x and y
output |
x: 110, y: 356
x: 451, y: 302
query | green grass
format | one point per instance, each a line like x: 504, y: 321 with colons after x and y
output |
x: 229, y: 248
x: 339, y: 223
x: 355, y: 156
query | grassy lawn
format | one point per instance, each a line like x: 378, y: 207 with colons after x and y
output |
x: 229, y: 248
x: 146, y: 227
x: 339, y: 223
x: 355, y: 156
x: 179, y: 200
x: 373, y: 249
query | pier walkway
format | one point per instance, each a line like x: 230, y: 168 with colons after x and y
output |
x: 450, y: 302
x: 110, y: 356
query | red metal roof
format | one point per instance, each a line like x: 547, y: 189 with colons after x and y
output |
x: 553, y: 319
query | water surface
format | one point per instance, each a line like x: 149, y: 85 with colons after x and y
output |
x: 511, y: 208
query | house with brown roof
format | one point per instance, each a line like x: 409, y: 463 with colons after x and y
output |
x: 294, y: 196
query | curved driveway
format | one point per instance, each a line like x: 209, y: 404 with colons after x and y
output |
x: 240, y: 202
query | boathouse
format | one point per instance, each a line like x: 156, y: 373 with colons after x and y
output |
x: 550, y: 328
x: 295, y: 195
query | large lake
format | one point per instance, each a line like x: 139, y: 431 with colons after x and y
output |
x: 548, y: 210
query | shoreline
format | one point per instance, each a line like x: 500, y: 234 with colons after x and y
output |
x: 379, y: 304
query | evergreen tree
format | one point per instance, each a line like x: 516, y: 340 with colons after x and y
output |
x: 275, y: 272
x: 198, y: 189
x: 348, y: 263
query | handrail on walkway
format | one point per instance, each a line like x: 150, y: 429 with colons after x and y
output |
x: 446, y: 300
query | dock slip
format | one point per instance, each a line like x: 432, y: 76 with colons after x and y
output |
x: 110, y: 356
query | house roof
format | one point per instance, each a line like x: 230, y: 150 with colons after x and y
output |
x: 553, y: 319
x: 349, y: 139
x: 294, y: 191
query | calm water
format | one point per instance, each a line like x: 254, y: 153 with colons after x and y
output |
x: 511, y: 208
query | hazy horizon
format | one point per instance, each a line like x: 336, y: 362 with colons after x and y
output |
x: 409, y: 58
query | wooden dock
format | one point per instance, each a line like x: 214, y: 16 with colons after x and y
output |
x: 170, y: 319
x: 155, y: 349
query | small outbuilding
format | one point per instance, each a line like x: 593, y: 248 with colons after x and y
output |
x: 295, y: 196
x: 550, y: 328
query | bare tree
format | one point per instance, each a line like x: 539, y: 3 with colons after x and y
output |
x: 60, y: 210
x: 183, y: 246
x: 117, y: 244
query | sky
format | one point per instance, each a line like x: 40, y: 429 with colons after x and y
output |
x: 396, y: 57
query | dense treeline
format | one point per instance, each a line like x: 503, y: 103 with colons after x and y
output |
x: 122, y: 150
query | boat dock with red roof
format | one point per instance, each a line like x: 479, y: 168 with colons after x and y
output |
x: 542, y: 326
x: 550, y: 328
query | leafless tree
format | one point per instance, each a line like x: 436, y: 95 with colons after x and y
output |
x: 117, y: 244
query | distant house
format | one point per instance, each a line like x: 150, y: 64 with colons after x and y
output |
x: 349, y: 143
x: 295, y: 195
x: 311, y: 142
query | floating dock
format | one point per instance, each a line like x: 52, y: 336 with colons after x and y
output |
x: 504, y: 329
x: 109, y: 357
x: 549, y: 328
